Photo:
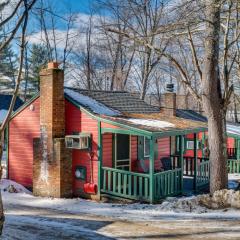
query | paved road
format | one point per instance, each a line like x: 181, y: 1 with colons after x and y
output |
x: 30, y: 223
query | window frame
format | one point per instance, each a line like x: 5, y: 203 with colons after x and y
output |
x: 80, y: 138
x: 192, y: 140
x: 144, y: 144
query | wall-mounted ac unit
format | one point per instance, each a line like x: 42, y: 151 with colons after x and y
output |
x: 79, y: 141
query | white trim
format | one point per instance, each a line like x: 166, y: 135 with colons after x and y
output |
x: 144, y: 155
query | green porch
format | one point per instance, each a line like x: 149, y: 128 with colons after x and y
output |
x: 155, y: 183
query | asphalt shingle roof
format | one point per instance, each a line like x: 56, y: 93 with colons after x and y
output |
x: 191, y: 115
x: 124, y: 102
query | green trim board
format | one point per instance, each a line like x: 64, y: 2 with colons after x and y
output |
x: 151, y: 171
x: 7, y: 150
x: 181, y: 160
x: 238, y: 148
x: 195, y: 160
x: 122, y: 131
x: 178, y: 132
x: 99, y: 158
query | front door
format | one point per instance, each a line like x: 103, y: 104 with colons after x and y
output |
x: 122, y: 152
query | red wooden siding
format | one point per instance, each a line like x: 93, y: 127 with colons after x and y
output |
x: 107, y: 150
x: 134, y: 151
x: 163, y: 151
x: 79, y: 121
x: 190, y: 153
x: 230, y: 142
x: 22, y: 129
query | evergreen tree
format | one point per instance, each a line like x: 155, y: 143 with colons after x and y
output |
x: 8, y: 68
x: 38, y: 59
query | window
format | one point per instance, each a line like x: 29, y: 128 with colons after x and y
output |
x: 81, y: 141
x: 190, y: 145
x: 146, y: 147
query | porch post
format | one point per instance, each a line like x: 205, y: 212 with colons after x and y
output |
x: 151, y: 171
x: 99, y: 158
x: 195, y: 161
x: 181, y: 142
x: 203, y: 142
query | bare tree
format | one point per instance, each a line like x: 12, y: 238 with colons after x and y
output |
x: 214, y: 71
x: 23, y: 18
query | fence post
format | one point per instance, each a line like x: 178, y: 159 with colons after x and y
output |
x: 151, y: 170
x: 195, y: 162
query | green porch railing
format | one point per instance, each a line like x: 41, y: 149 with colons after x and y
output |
x: 203, y: 174
x: 167, y: 183
x: 125, y: 184
x: 233, y: 166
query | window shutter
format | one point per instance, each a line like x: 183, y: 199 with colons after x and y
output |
x: 140, y: 148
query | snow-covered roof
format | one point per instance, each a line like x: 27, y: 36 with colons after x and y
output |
x: 151, y: 123
x: 91, y: 103
x: 233, y: 129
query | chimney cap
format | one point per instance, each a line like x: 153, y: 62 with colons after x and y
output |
x: 53, y: 65
x: 170, y: 87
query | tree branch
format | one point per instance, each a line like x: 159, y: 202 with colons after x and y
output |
x: 18, y: 81
x: 194, y: 54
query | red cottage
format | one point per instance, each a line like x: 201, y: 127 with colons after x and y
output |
x: 69, y: 142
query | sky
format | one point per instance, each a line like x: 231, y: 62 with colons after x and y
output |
x: 77, y: 6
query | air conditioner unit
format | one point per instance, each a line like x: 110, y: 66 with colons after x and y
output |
x: 79, y: 141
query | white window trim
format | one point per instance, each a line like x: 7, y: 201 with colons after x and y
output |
x: 71, y: 139
x: 189, y: 140
x: 144, y: 148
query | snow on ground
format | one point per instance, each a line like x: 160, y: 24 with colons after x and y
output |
x: 5, y: 184
x: 151, y: 123
x: 183, y: 207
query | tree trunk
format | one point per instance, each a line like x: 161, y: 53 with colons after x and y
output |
x: 213, y: 103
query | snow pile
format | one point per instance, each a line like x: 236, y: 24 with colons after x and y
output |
x: 151, y: 123
x: 221, y: 199
x: 12, y: 187
x: 3, y: 114
x: 91, y: 103
x: 184, y: 204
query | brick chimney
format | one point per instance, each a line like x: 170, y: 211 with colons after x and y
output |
x: 52, y: 163
x: 170, y: 100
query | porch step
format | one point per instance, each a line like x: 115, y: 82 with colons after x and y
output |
x: 115, y: 199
